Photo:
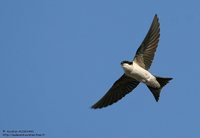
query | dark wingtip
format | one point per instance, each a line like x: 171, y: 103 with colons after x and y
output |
x: 156, y: 17
x: 92, y: 107
x: 157, y: 99
x: 171, y: 78
x: 95, y: 106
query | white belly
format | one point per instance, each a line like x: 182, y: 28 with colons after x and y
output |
x: 141, y: 75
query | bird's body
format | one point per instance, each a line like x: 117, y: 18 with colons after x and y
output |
x: 140, y: 74
x: 136, y: 71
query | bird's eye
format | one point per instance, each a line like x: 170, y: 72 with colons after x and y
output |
x: 130, y: 63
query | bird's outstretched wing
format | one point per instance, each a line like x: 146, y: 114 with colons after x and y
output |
x: 145, y: 53
x: 120, y: 88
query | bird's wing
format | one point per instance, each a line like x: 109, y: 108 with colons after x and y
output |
x: 120, y: 88
x: 145, y: 53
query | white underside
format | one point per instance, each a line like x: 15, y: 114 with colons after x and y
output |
x: 140, y: 74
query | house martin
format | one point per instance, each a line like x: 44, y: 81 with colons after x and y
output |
x: 136, y: 71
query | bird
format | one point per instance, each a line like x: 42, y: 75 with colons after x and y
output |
x: 136, y: 71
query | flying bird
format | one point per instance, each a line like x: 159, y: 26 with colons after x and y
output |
x: 136, y: 71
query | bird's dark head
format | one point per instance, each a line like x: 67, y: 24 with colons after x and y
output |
x: 126, y: 62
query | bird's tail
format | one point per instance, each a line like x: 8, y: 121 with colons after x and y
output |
x: 156, y: 91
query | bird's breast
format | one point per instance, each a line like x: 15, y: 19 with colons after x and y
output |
x: 138, y: 73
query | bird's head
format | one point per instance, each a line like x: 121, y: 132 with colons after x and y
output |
x: 126, y: 64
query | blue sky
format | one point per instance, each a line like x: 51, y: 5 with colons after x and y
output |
x: 59, y: 57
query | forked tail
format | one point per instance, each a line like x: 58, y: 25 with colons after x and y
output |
x: 156, y: 91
